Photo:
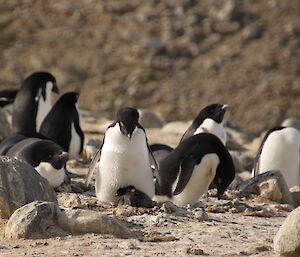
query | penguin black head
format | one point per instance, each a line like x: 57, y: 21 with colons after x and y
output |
x: 52, y: 153
x: 213, y: 111
x: 69, y: 99
x: 224, y: 178
x: 127, y: 118
x: 38, y: 80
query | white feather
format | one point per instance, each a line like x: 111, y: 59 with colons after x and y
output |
x: 75, y: 142
x: 281, y: 152
x: 44, y: 106
x: 55, y: 177
x: 123, y: 162
x: 210, y: 126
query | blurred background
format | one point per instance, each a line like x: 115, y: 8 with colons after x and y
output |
x: 169, y: 56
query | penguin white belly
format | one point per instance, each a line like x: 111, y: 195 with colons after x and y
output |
x: 123, y: 162
x: 55, y: 177
x: 202, y: 176
x: 281, y: 152
x: 44, y: 105
x: 75, y: 143
x: 210, y: 126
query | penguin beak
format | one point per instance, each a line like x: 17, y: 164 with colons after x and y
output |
x: 55, y: 88
x: 225, y: 106
x: 125, y: 131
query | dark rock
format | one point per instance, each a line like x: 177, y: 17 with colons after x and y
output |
x: 21, y: 184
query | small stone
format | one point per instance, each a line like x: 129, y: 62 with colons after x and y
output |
x: 124, y: 210
x: 252, y: 32
x: 201, y: 215
x: 195, y: 251
x: 171, y: 208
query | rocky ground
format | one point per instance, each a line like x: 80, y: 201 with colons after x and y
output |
x: 173, y: 57
x: 238, y: 226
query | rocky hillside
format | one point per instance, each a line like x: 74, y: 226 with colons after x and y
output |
x: 169, y: 56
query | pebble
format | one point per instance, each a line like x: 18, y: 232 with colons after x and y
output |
x: 195, y: 251
x: 201, y: 215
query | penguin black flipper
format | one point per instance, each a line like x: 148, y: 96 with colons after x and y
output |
x: 186, y: 171
x: 257, y: 157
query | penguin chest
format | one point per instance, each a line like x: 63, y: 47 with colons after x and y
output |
x: 281, y: 152
x: 210, y: 126
x: 123, y: 162
x: 54, y: 176
x: 203, y: 175
x: 75, y: 144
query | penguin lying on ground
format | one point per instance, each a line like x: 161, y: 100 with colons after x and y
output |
x: 279, y: 150
x: 62, y: 125
x: 209, y: 120
x: 32, y: 102
x: 186, y: 173
x: 45, y: 156
x: 125, y: 158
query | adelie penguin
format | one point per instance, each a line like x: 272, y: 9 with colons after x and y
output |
x: 186, y: 173
x: 124, y: 158
x: 279, y: 150
x: 209, y: 120
x: 62, y: 125
x: 33, y: 102
x: 45, y: 156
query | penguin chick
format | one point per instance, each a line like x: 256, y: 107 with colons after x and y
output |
x: 131, y: 196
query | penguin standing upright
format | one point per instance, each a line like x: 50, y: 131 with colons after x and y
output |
x: 125, y: 158
x: 32, y: 102
x: 45, y: 156
x: 279, y: 150
x: 62, y: 125
x: 186, y: 173
x: 209, y: 120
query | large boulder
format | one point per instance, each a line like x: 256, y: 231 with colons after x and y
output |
x: 34, y: 220
x: 20, y: 184
x: 45, y: 219
x: 287, y: 239
x: 149, y: 119
x: 271, y: 185
x: 5, y: 128
x: 87, y: 221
